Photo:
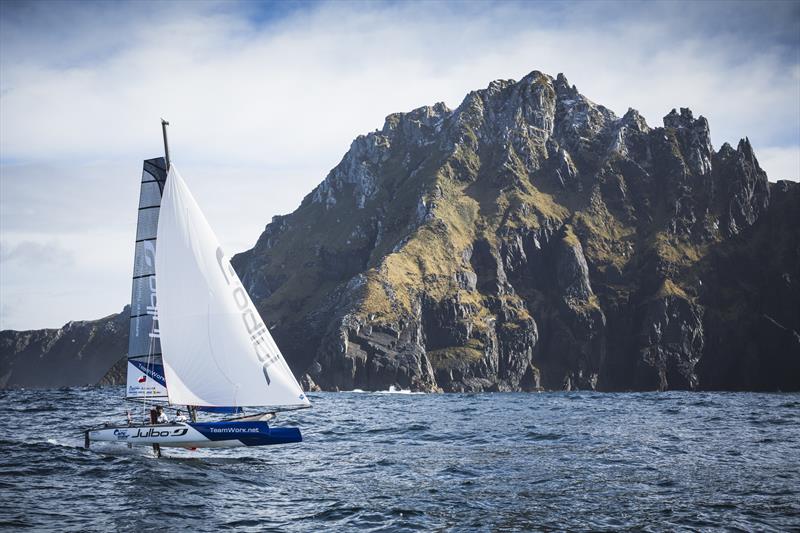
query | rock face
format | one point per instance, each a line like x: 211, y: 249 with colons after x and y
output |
x: 532, y: 239
x: 79, y: 353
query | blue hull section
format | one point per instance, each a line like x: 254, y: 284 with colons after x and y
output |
x: 248, y: 433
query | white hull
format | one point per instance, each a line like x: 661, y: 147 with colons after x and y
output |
x: 224, y: 434
x: 165, y: 435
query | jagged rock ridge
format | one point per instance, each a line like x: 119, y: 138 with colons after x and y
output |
x: 530, y: 239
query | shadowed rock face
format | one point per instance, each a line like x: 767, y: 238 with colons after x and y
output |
x: 530, y: 239
x: 79, y: 353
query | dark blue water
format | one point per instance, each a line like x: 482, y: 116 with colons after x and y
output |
x: 393, y: 462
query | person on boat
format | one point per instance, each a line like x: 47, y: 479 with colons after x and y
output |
x: 162, y: 416
x: 180, y: 417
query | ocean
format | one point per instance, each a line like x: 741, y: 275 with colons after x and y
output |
x: 419, y: 462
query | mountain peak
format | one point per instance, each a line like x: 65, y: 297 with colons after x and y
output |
x: 563, y: 87
x: 746, y: 150
x: 695, y: 135
x: 481, y: 247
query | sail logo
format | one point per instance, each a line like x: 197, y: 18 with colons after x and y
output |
x: 152, y: 308
x: 121, y: 434
x: 234, y: 430
x: 154, y: 432
x: 259, y: 335
x: 151, y: 370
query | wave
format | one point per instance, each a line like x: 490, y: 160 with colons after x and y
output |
x: 471, y: 461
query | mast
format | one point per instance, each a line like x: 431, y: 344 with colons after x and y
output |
x: 164, y: 125
x: 145, y: 372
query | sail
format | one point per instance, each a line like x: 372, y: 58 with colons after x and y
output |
x: 145, y: 376
x: 217, y: 349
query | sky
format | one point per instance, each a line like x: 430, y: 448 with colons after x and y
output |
x: 264, y: 99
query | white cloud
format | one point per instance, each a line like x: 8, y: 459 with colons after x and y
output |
x: 32, y: 254
x: 47, y: 279
x: 260, y: 111
x: 780, y: 163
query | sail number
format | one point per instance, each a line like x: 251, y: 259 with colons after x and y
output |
x: 259, y: 336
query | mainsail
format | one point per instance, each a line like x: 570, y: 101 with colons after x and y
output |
x: 217, y: 349
x: 145, y: 377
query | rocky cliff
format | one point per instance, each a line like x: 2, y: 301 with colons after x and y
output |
x: 79, y: 353
x: 532, y: 239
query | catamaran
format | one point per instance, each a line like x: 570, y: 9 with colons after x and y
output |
x: 196, y: 339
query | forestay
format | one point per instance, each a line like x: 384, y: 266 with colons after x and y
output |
x: 217, y: 349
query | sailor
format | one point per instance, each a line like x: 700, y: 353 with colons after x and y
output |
x: 179, y: 416
x: 162, y: 416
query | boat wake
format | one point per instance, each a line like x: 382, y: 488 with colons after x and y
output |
x: 392, y: 390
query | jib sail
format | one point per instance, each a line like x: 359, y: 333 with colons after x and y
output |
x: 217, y: 349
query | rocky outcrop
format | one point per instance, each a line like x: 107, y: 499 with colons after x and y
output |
x: 750, y: 291
x: 531, y: 239
x: 79, y: 353
x: 116, y: 375
x: 671, y: 341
